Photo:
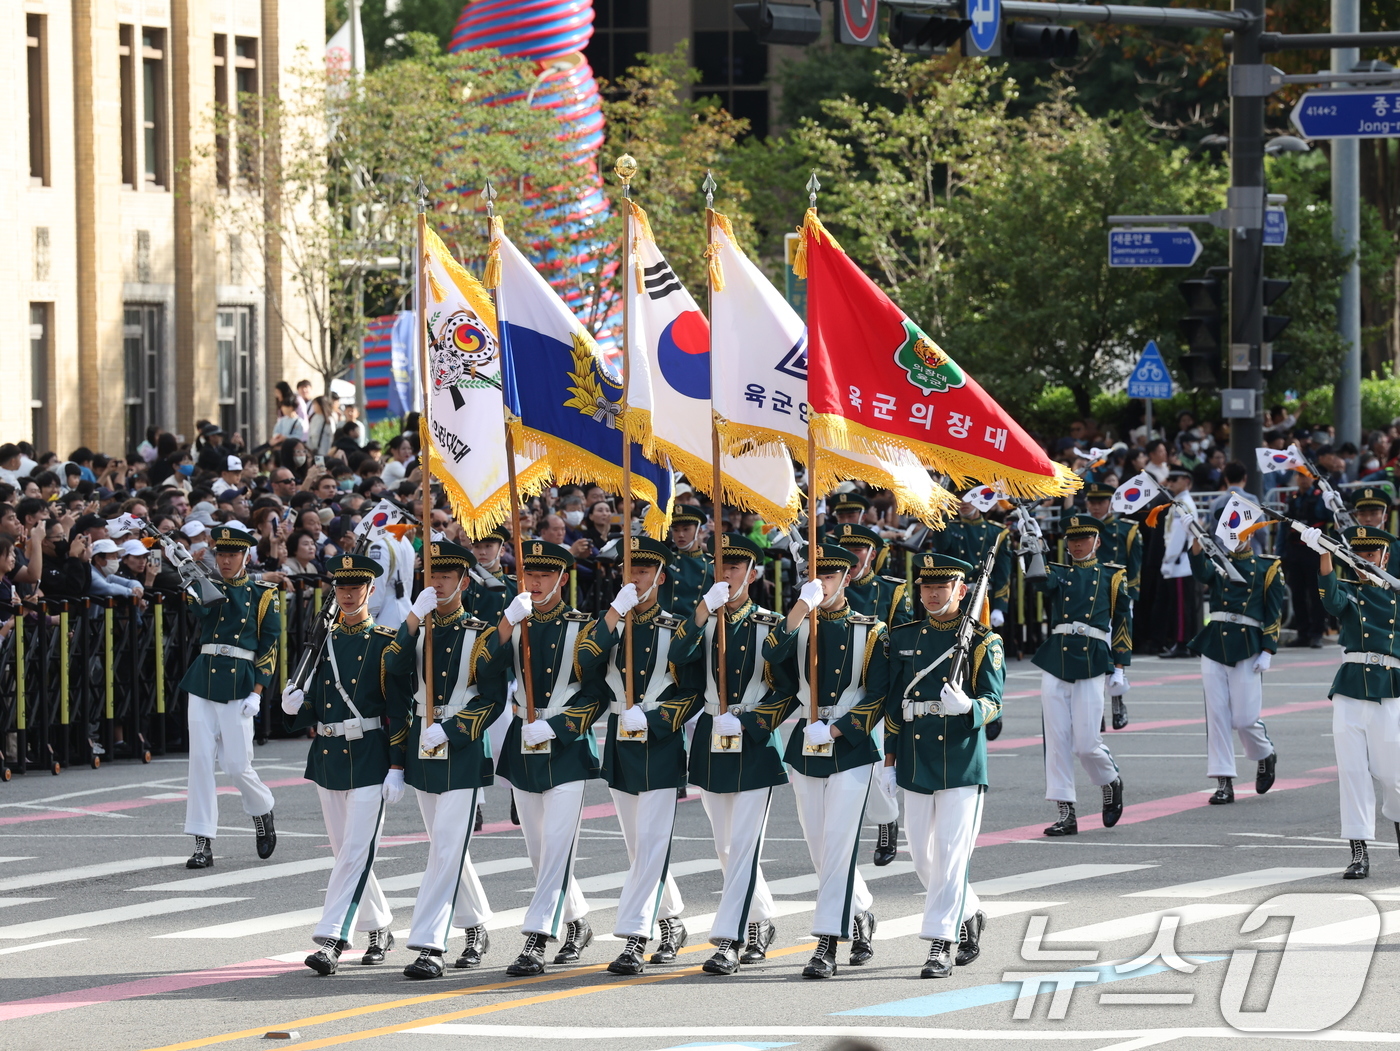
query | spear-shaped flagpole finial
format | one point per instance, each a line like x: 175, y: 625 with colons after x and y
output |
x: 709, y: 186
x: 421, y: 190
x: 813, y: 185
x: 626, y: 169
x: 488, y: 195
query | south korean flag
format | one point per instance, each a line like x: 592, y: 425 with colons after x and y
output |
x: 1135, y: 494
x: 1239, y: 518
x: 1271, y: 460
x: 984, y: 498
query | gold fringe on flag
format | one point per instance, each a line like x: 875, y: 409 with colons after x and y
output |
x: 811, y: 227
x: 439, y: 293
x: 711, y: 253
x: 491, y: 276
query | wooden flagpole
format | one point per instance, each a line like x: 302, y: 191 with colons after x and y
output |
x: 813, y: 185
x: 626, y: 169
x: 425, y: 523
x: 717, y: 482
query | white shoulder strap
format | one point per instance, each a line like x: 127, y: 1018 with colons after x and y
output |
x: 563, y: 690
x: 463, y: 690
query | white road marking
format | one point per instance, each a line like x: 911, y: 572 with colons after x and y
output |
x: 483, y: 868
x: 81, y: 920
x: 1038, y: 878
x: 237, y: 877
x: 39, y: 945
x: 1344, y: 932
x: 614, y: 880
x: 1143, y: 923
x: 808, y: 884
x: 105, y: 868
x: 903, y: 926
x: 875, y: 1033
x: 1240, y: 881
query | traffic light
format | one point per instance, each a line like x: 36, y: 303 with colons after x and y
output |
x: 925, y: 34
x: 781, y: 23
x: 1200, y: 331
x: 1046, y: 42
x: 1274, y: 324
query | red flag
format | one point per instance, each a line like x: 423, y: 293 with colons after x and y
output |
x: 878, y: 384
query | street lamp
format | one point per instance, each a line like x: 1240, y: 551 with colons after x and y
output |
x: 1286, y: 144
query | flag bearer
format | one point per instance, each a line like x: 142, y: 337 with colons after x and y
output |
x: 936, y: 750
x: 349, y: 761
x: 1120, y: 544
x: 490, y: 589
x: 237, y: 656
x: 1090, y: 639
x: 691, y: 570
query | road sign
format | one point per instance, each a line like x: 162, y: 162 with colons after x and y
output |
x: 1275, y: 227
x: 858, y: 22
x: 985, y: 33
x: 1152, y: 246
x: 1348, y: 114
x: 1150, y: 378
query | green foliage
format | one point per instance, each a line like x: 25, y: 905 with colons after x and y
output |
x: 1380, y: 402
x: 386, y: 31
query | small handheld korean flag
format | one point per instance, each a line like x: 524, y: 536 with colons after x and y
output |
x: 983, y: 497
x: 1289, y: 459
x: 1239, y: 518
x: 1135, y: 494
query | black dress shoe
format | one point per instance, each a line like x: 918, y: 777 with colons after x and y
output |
x: 862, y: 933
x: 1225, y: 793
x: 724, y: 961
x: 970, y: 939
x: 1264, y: 776
x: 1120, y: 713
x: 993, y: 729
x: 1174, y: 651
x: 673, y: 939
x: 761, y: 935
x: 1314, y: 642
x: 325, y: 959
x: 478, y: 941
x: 940, y: 960
x: 1068, y: 825
x: 531, y: 959
x: 823, y: 961
x: 887, y: 843
x: 428, y: 965
x: 267, y: 835
x: 1112, y: 802
x: 380, y: 942
x: 480, y: 818
x: 630, y: 960
x: 1360, y: 866
x: 514, y: 816
x: 578, y: 938
x: 203, y: 856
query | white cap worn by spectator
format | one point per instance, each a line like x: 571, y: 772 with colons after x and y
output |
x: 203, y: 512
x: 134, y: 547
x: 234, y: 464
x: 234, y: 523
x: 193, y: 529
x: 104, y: 547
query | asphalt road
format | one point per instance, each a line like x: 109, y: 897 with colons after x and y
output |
x: 107, y: 940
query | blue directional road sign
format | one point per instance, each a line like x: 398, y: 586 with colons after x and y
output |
x: 1275, y: 227
x: 1150, y: 378
x: 985, y: 31
x: 1152, y: 246
x: 1348, y: 114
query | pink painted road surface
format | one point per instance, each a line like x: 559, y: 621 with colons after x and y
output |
x: 94, y: 809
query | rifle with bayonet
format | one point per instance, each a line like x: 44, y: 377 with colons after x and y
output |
x: 195, y: 579
x: 972, y: 615
x: 1339, y: 550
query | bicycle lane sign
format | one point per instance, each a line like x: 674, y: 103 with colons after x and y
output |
x: 1150, y: 378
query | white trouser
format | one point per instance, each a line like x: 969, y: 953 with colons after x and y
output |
x: 354, y: 901
x: 1234, y: 694
x: 220, y: 731
x: 1366, y: 736
x: 942, y: 831
x: 1071, y: 713
x: 738, y: 820
x: 881, y: 807
x: 495, y: 738
x: 831, y: 809
x: 550, y: 821
x: 649, y: 893
x: 450, y: 895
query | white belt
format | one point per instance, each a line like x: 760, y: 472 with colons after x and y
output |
x: 1080, y: 628
x: 911, y: 709
x: 219, y: 649
x: 1235, y: 618
x: 338, y: 729
x: 443, y: 711
x: 1382, y: 660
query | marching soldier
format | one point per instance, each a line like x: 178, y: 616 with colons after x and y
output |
x: 1371, y: 508
x: 968, y: 538
x: 832, y: 759
x: 734, y: 757
x: 448, y: 762
x: 491, y: 586
x: 936, y: 750
x: 1120, y: 545
x: 345, y: 702
x: 1090, y: 639
x: 1365, y: 691
x: 644, y: 755
x: 691, y: 570
x: 225, y: 682
x: 548, y: 761
x: 1235, y: 650
x: 846, y: 509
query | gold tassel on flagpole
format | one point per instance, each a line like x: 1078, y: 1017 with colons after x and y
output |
x: 491, y: 276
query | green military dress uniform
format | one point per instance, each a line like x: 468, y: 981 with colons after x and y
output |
x: 1366, y: 623
x: 969, y: 540
x: 1121, y: 544
x: 488, y: 602
x: 249, y: 619
x: 1095, y: 594
x: 689, y: 576
x: 1259, y: 598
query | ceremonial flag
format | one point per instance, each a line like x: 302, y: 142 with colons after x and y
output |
x: 759, y: 346
x: 878, y: 383
x: 668, y: 394
x: 386, y: 517
x: 1136, y: 493
x: 564, y: 396
x: 1239, y: 518
x: 465, y: 446
x: 983, y: 497
x: 1271, y: 460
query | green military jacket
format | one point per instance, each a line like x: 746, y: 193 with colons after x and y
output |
x: 934, y: 752
x: 249, y: 618
x: 573, y: 754
x: 457, y: 653
x: 487, y: 602
x: 1120, y: 543
x: 838, y: 667
x: 759, y: 762
x: 633, y: 766
x: 1091, y: 593
x: 689, y: 576
x: 970, y: 541
x: 873, y: 595
x: 339, y: 764
x: 1260, y: 598
x: 1366, y: 616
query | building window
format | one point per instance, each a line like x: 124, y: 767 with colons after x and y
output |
x: 41, y: 253
x: 249, y: 103
x: 143, y: 256
x: 619, y: 35
x: 221, y: 108
x: 234, y: 332
x: 142, y: 338
x: 153, y: 108
x: 40, y: 354
x: 36, y: 30
x: 127, y: 35
x: 733, y: 64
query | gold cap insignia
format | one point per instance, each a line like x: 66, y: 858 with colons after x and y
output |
x: 846, y: 530
x: 347, y: 562
x: 928, y: 561
x: 536, y: 549
x: 724, y: 541
x: 1361, y: 533
x: 635, y: 543
x: 1074, y: 521
x: 437, y: 550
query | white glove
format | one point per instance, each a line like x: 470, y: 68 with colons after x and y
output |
x: 817, y: 733
x: 537, y: 732
x: 1332, y: 500
x: 955, y: 702
x: 1312, y: 537
x: 998, y: 618
x: 1032, y: 527
x: 625, y: 601
x: 1118, y: 683
x: 728, y: 725
x: 520, y: 607
x: 632, y: 719
x: 291, y: 699
x: 392, y: 788
x: 425, y: 603
x: 1262, y: 662
x: 812, y: 593
x: 433, y: 736
x: 717, y: 596
x: 888, y: 782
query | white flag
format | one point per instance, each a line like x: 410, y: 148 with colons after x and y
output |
x: 983, y: 497
x: 1237, y: 520
x: 1135, y: 494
